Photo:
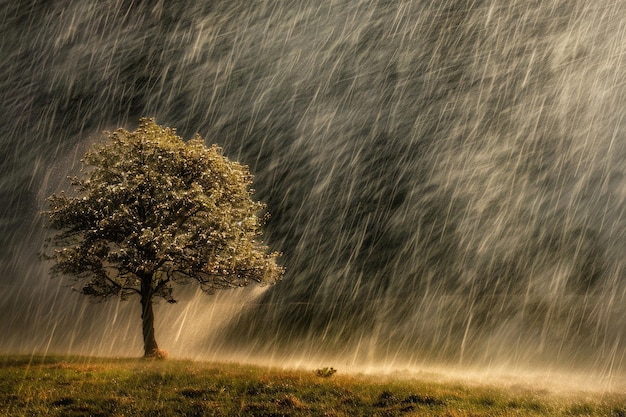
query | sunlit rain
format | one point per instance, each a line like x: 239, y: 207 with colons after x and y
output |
x: 446, y: 179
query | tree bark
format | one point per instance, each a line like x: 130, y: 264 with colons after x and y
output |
x: 147, y: 317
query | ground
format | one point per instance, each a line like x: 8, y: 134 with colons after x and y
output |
x: 82, y: 386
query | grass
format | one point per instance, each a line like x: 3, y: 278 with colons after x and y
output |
x: 81, y: 386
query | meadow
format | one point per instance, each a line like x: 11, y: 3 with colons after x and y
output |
x: 86, y: 386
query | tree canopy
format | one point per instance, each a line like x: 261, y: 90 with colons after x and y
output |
x: 152, y: 211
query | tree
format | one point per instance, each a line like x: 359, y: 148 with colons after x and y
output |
x: 152, y: 212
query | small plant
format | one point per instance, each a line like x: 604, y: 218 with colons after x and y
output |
x: 325, y: 372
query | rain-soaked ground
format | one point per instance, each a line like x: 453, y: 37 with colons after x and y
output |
x: 446, y: 178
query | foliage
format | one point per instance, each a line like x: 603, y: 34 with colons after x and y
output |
x: 153, y: 211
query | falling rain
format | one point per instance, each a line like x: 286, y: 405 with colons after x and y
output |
x: 447, y: 179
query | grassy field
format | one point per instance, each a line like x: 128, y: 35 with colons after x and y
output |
x: 80, y: 386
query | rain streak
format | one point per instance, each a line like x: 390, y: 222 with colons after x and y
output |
x: 446, y: 179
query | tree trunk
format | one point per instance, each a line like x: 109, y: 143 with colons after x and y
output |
x: 151, y: 349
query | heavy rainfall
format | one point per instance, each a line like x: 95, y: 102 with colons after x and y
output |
x: 446, y: 179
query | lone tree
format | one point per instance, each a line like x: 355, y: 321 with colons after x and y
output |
x: 153, y: 212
